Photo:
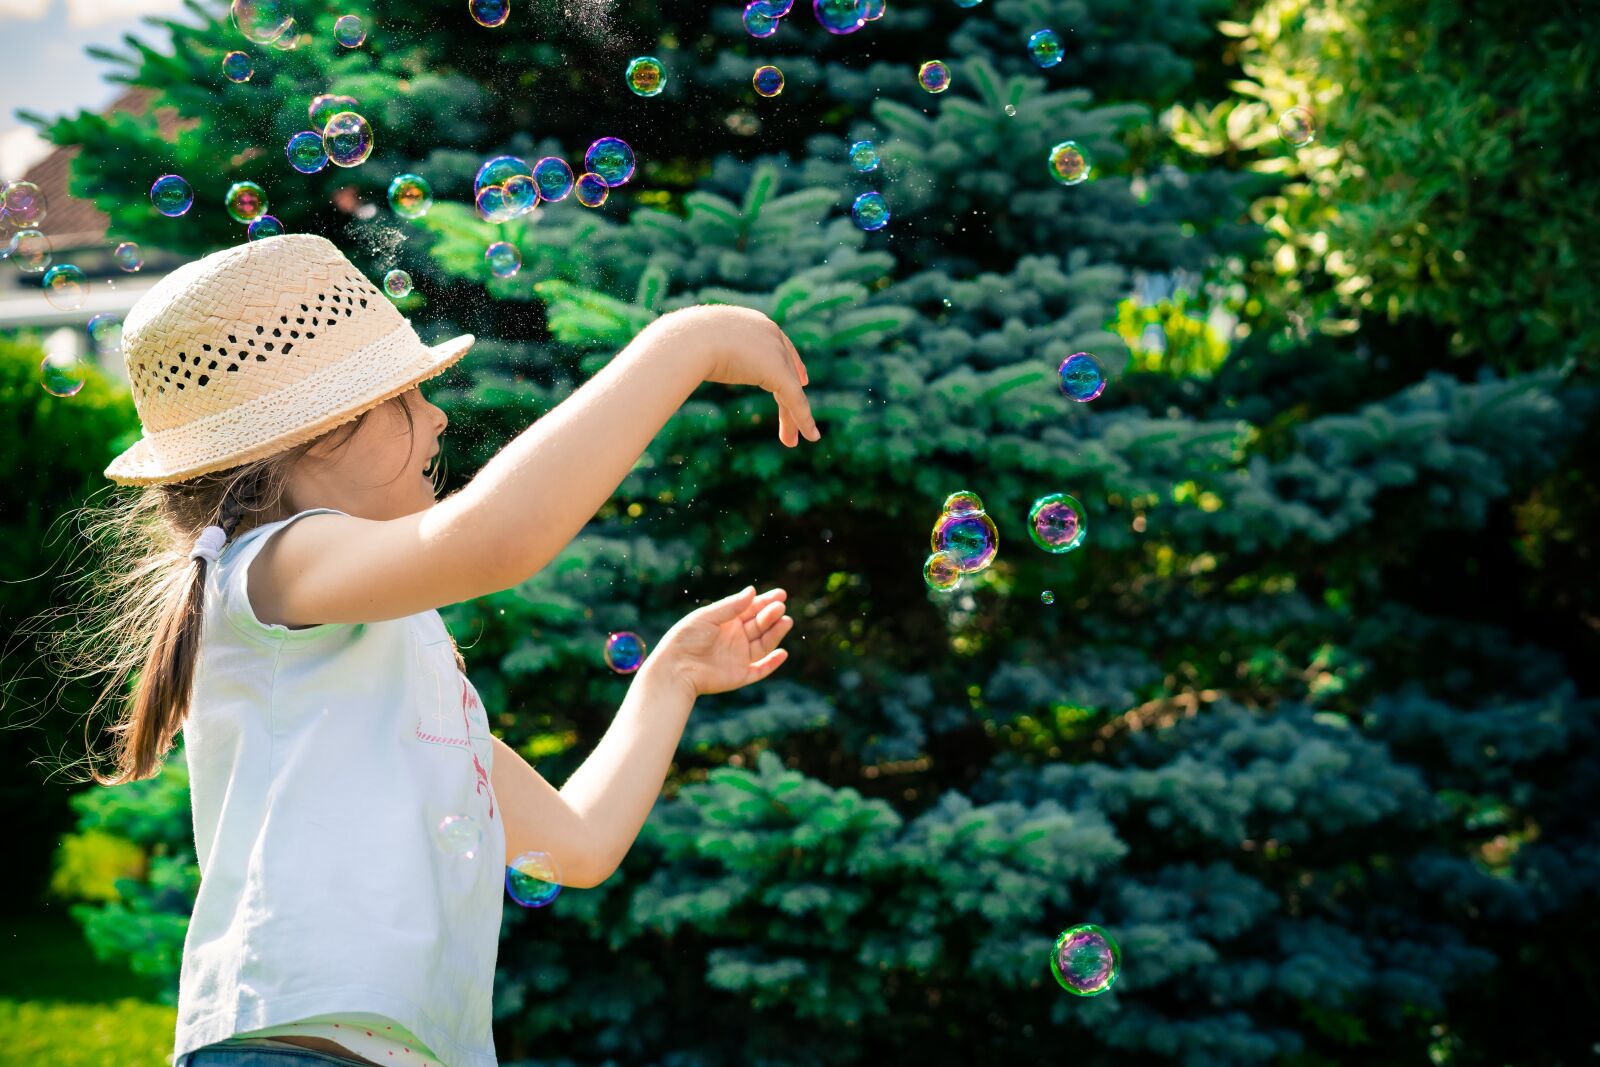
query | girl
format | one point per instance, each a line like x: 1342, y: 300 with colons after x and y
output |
x: 284, y: 618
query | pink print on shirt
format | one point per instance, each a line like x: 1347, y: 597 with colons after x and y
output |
x: 469, y: 699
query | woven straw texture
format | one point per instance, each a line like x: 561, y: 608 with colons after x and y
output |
x: 258, y: 348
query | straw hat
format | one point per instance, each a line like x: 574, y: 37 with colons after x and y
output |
x: 258, y: 348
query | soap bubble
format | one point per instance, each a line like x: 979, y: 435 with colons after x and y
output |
x: 1297, y: 126
x: 264, y: 227
x: 592, y: 190
x: 1086, y: 960
x: 289, y: 39
x: 24, y: 204
x: 324, y: 107
x: 1045, y: 47
x: 171, y: 195
x: 350, y: 31
x: 498, y: 171
x: 968, y: 3
x: 494, y: 205
x: 245, y: 201
x: 972, y: 538
x: 646, y: 76
x: 775, y: 9
x: 1011, y: 109
x: 1047, y: 597
x: 129, y: 256
x: 941, y: 571
x: 522, y: 195
x: 768, y: 80
x: 305, y: 152
x: 864, y: 156
x: 410, y: 196
x: 347, y: 139
x: 65, y: 286
x: 1082, y: 377
x: 62, y: 377
x: 624, y: 651
x: 553, y: 177
x: 934, y: 75
x: 503, y: 258
x: 263, y: 21
x: 612, y: 159
x: 532, y: 879
x: 30, y: 250
x: 1069, y: 164
x: 757, y: 22
x: 105, y: 334
x: 397, y: 283
x: 873, y: 10
x: 1056, y: 523
x: 459, y: 837
x: 490, y: 13
x: 236, y: 67
x: 840, y: 16
x: 871, y: 211
x: 962, y: 502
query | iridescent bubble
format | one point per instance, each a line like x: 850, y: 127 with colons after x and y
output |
x: 871, y: 211
x: 324, y: 107
x: 962, y: 502
x: 1045, y: 47
x: 624, y: 651
x: 934, y: 75
x: 840, y: 16
x: 646, y: 76
x: 305, y: 152
x: 263, y: 21
x: 553, y: 176
x: 493, y: 205
x: 1011, y: 110
x: 757, y: 22
x: 873, y: 10
x: 105, y: 334
x: 31, y: 251
x: 129, y: 256
x: 264, y: 227
x: 498, y: 171
x: 941, y: 571
x: 490, y: 13
x: 350, y: 31
x: 1297, y: 126
x: 503, y: 258
x: 768, y: 80
x: 1082, y: 377
x: 62, y: 377
x: 347, y: 139
x: 968, y: 3
x: 171, y: 195
x: 864, y: 156
x: 972, y: 538
x: 236, y: 67
x: 459, y: 837
x: 397, y: 283
x: 592, y: 190
x: 1069, y: 164
x: 289, y: 39
x: 612, y: 159
x: 532, y: 879
x: 24, y: 204
x: 245, y: 201
x: 65, y: 286
x: 774, y: 9
x: 1056, y: 523
x: 1047, y: 597
x: 522, y: 194
x: 410, y: 196
x: 1086, y: 960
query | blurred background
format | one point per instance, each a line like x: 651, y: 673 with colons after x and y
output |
x: 1308, y: 722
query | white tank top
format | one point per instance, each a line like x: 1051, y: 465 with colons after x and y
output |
x: 322, y: 762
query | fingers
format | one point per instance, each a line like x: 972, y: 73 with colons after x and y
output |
x: 792, y: 400
x: 799, y: 364
x: 729, y: 607
x: 768, y: 663
x: 774, y: 635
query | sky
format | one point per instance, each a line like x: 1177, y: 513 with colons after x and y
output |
x: 43, y: 66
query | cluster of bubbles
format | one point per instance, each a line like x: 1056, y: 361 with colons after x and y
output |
x: 624, y: 651
x: 646, y: 76
x: 847, y: 16
x: 965, y: 541
x: 1086, y: 960
x: 533, y: 880
x: 761, y: 16
x: 869, y: 210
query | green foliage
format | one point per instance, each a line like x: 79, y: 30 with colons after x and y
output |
x: 128, y: 1032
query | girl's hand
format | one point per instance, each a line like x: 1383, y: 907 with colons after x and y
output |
x: 728, y: 644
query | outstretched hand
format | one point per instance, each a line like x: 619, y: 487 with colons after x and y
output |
x: 730, y: 643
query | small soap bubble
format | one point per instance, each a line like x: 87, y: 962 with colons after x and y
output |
x: 324, y: 107
x: 522, y: 194
x: 962, y: 502
x: 1082, y: 377
x: 757, y: 22
x: 1056, y: 523
x: 171, y: 195
x: 553, y: 177
x: 1086, y: 960
x: 23, y: 204
x: 30, y: 250
x: 1047, y: 597
x: 773, y: 8
x: 305, y: 152
x: 592, y: 190
x: 236, y: 67
x: 263, y: 21
x: 397, y: 283
x: 105, y: 334
x: 245, y: 201
x: 1069, y: 164
x: 498, y: 171
x: 864, y: 156
x: 347, y: 139
x: 971, y: 537
x: 503, y: 258
x: 942, y: 572
x: 968, y: 3
x: 410, y: 196
x: 65, y: 286
x: 129, y: 256
x: 289, y: 39
x: 1011, y: 109
x: 612, y: 159
x: 459, y: 837
x: 490, y: 13
x: 767, y: 80
x: 532, y: 879
x: 62, y: 377
x: 1045, y: 47
x: 624, y: 651
x: 934, y: 75
x: 493, y: 205
x: 646, y: 76
x: 840, y: 16
x: 350, y: 31
x: 1297, y: 126
x: 871, y: 211
x: 873, y: 10
x: 264, y: 227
